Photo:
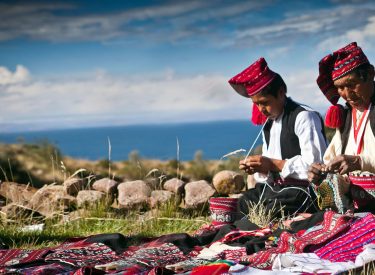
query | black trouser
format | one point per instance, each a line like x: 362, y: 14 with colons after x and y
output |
x: 287, y: 202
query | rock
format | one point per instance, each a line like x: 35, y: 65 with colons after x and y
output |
x: 154, y: 183
x: 90, y: 198
x: 175, y: 185
x: 17, y: 193
x: 228, y: 182
x: 106, y: 186
x: 197, y: 193
x: 133, y: 194
x: 73, y: 185
x: 159, y: 197
x: 19, y: 213
x: 52, y: 198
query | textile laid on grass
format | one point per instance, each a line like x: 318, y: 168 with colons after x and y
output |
x: 325, y: 242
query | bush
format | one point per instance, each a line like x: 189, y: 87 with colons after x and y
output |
x: 198, y: 169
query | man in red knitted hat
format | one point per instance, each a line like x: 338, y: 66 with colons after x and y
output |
x: 293, y: 138
x: 347, y: 74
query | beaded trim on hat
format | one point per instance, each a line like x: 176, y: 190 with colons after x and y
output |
x: 346, y: 63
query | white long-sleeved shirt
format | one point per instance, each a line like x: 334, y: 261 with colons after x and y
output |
x: 368, y: 152
x: 308, y: 128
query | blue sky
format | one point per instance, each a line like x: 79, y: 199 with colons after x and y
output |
x: 94, y: 63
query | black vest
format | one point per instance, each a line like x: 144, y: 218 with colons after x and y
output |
x: 289, y: 141
x: 345, y: 129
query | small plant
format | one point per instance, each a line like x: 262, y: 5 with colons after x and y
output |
x: 260, y: 215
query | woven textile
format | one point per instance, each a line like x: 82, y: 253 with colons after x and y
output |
x: 333, y: 225
x: 330, y: 193
x: 336, y: 65
x: 87, y: 255
x: 362, y: 188
x: 10, y: 257
x: 347, y: 246
x: 146, y: 257
x: 223, y: 210
x: 45, y: 269
x: 253, y: 79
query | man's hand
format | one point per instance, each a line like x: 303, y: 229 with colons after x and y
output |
x: 344, y: 164
x: 261, y: 164
x: 316, y: 172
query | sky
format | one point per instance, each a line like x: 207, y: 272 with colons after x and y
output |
x: 69, y: 64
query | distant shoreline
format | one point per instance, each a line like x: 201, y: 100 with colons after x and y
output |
x: 154, y: 141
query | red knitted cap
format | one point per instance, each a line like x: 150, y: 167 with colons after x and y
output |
x: 336, y: 65
x: 253, y: 79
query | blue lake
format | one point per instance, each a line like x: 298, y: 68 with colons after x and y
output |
x: 214, y: 139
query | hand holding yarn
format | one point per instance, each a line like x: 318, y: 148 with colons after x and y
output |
x: 316, y: 172
x: 344, y: 164
x: 261, y: 164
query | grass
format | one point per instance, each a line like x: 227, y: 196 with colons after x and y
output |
x: 32, y: 164
x: 164, y: 220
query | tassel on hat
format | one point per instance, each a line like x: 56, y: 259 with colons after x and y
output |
x: 257, y: 117
x: 333, y: 67
x: 335, y: 116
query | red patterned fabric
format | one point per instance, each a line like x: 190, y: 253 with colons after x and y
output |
x: 253, y: 79
x: 214, y: 269
x: 336, y: 65
x: 237, y: 234
x: 223, y: 210
x: 332, y: 226
x: 349, y: 245
x: 233, y: 254
x: 86, y: 255
x: 10, y: 257
x: 44, y: 269
x: 362, y: 189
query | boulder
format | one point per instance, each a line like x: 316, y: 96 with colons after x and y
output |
x: 133, y: 194
x: 73, y: 185
x: 197, y: 193
x: 90, y: 198
x: 106, y: 186
x: 20, y: 213
x: 17, y: 193
x: 154, y: 183
x: 52, y: 198
x: 159, y: 197
x: 174, y: 185
x: 228, y: 182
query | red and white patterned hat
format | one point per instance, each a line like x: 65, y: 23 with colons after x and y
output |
x: 336, y: 65
x: 253, y: 79
x: 332, y: 67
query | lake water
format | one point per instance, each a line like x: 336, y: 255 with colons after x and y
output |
x: 214, y: 139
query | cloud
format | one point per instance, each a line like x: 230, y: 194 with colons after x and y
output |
x: 99, y: 98
x: 220, y: 23
x: 102, y: 99
x: 20, y: 75
x: 314, y: 24
x: 174, y: 20
x: 365, y: 37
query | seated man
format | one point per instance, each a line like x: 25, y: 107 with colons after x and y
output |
x: 293, y: 139
x: 348, y: 74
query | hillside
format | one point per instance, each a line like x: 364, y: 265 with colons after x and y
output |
x: 43, y: 163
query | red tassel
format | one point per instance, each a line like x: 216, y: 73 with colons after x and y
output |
x: 335, y: 116
x: 257, y: 116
